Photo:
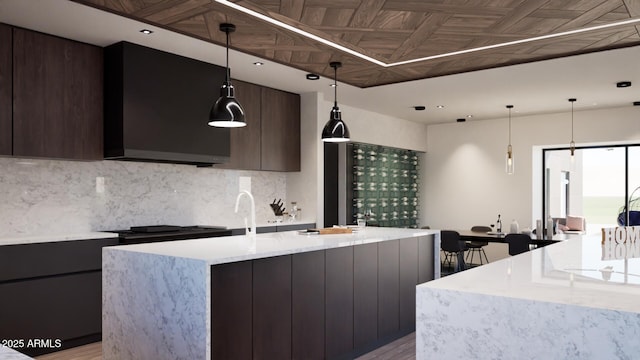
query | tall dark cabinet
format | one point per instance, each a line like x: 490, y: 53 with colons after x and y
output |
x: 57, y: 97
x: 6, y: 89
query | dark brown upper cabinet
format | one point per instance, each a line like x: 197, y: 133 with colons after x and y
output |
x: 245, y: 141
x: 280, y: 130
x: 6, y: 89
x: 271, y: 139
x: 57, y: 97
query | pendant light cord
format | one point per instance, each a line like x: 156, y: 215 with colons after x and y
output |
x: 509, y: 125
x: 227, y: 72
x: 572, y: 120
x: 335, y: 86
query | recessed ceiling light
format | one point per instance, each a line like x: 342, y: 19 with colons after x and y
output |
x: 440, y: 106
x: 258, y: 63
x: 419, y: 107
x: 461, y: 120
x: 313, y: 76
x: 146, y: 31
x: 623, y: 84
x: 333, y: 85
x: 469, y: 116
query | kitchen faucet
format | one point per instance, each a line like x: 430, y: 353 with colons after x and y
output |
x: 253, y: 213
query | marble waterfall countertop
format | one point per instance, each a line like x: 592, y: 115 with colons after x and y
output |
x: 227, y: 249
x: 32, y: 239
x: 564, y: 301
x: 157, y: 297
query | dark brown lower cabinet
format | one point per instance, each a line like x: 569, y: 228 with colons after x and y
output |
x: 272, y: 308
x: 231, y: 315
x: 365, y: 295
x: 308, y: 305
x: 52, y: 291
x: 339, y: 302
x: 408, y: 281
x: 58, y: 308
x: 388, y: 288
x: 329, y: 304
x: 425, y: 259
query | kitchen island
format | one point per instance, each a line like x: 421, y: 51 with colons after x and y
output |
x: 576, y: 299
x: 278, y: 295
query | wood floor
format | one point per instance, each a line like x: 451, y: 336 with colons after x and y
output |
x: 85, y: 352
x: 401, y: 349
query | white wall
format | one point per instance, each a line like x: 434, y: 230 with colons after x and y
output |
x: 463, y: 176
x: 302, y: 186
x: 365, y: 126
x: 464, y: 173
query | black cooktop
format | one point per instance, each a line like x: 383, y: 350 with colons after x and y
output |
x: 155, y: 233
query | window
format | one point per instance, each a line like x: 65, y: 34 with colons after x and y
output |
x: 595, y: 185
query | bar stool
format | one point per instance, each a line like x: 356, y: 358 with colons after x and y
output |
x: 451, y: 245
x: 518, y: 243
x: 477, y: 246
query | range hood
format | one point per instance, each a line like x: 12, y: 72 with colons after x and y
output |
x: 157, y: 106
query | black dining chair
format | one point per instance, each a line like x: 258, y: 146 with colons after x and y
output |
x: 518, y: 243
x: 477, y: 246
x: 451, y: 245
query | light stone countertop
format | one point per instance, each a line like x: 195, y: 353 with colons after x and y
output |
x: 227, y: 249
x: 568, y: 273
x: 7, y: 353
x: 32, y: 239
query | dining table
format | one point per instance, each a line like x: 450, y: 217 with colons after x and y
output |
x: 495, y: 237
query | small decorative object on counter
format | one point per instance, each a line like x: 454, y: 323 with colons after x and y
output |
x: 499, y: 224
x: 539, y: 229
x: 515, y: 227
x: 278, y: 209
x: 549, y: 228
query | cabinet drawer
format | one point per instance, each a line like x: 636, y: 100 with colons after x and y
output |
x: 62, y: 307
x: 25, y: 261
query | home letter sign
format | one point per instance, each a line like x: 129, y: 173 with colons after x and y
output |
x: 620, y: 242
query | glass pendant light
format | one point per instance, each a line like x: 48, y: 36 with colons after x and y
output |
x: 335, y: 130
x: 572, y: 144
x: 227, y: 111
x: 509, y: 164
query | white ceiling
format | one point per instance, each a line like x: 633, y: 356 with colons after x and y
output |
x: 534, y: 88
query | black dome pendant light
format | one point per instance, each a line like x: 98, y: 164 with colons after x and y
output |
x: 335, y: 130
x: 227, y: 111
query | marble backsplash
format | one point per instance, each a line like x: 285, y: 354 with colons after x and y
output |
x: 40, y: 197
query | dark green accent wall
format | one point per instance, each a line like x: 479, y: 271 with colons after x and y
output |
x: 385, y: 181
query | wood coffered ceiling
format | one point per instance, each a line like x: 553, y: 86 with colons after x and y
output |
x: 392, y: 31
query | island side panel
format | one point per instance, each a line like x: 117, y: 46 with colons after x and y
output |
x: 153, y: 307
x: 307, y: 301
x: 231, y: 311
